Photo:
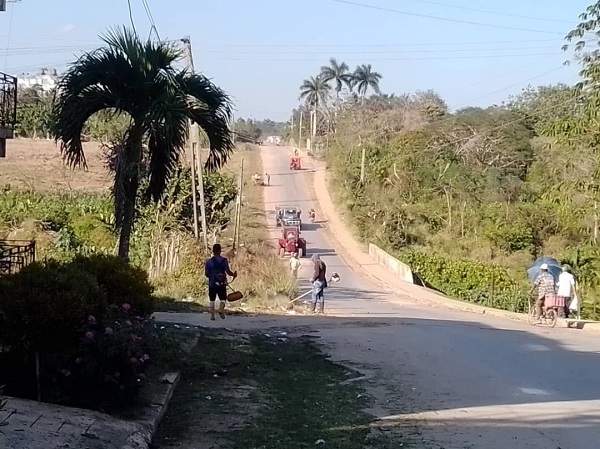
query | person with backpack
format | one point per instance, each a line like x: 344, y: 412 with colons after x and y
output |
x: 216, y: 270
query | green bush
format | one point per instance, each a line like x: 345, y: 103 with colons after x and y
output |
x: 43, y: 306
x: 470, y: 281
x: 86, y: 319
x: 120, y: 281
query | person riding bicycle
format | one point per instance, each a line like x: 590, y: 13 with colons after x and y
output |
x: 216, y: 270
x: 546, y: 286
x: 311, y: 214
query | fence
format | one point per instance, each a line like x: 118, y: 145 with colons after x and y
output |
x: 15, y: 254
x: 8, y: 100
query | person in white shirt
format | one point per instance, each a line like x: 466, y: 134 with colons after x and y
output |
x: 566, y: 287
x: 294, y: 264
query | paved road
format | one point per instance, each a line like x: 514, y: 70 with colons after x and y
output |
x: 470, y: 381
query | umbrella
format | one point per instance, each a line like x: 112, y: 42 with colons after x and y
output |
x: 554, y: 268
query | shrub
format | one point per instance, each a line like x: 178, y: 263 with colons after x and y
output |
x: 471, y: 281
x: 108, y: 368
x: 59, y: 312
x: 43, y: 305
x: 120, y: 281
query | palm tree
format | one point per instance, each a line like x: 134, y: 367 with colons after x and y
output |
x: 364, y: 78
x: 337, y: 72
x: 138, y: 79
x: 314, y: 91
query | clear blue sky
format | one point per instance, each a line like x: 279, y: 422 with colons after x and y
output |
x: 260, y: 51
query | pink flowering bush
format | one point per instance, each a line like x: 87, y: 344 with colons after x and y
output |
x: 92, y: 341
x: 109, y: 366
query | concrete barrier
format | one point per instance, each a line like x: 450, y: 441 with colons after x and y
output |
x: 391, y: 264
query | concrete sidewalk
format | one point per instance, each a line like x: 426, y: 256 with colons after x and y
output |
x: 33, y: 425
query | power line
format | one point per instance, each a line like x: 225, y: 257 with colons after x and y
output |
x: 131, y: 16
x: 10, y: 22
x: 443, y: 19
x: 487, y: 11
x: 494, y: 56
x: 520, y: 83
x: 370, y: 52
x: 361, y: 45
x: 151, y: 19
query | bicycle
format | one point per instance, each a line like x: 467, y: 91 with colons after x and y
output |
x: 549, y: 310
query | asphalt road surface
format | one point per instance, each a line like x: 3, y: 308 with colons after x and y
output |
x: 464, y: 380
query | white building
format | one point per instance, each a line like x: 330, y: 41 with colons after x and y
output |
x: 46, y: 80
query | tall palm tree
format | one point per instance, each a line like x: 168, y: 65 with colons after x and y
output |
x: 364, y: 78
x: 314, y: 91
x: 339, y: 73
x: 138, y: 79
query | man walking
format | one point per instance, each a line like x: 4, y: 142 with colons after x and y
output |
x: 216, y: 270
x: 566, y: 288
x: 546, y: 286
x: 268, y: 179
x: 294, y: 264
x: 319, y: 282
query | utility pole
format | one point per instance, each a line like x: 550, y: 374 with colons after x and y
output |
x: 292, y: 131
x: 362, y: 166
x: 300, y: 130
x: 194, y: 197
x: 238, y: 209
x: 194, y: 138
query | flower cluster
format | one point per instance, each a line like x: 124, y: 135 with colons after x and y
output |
x: 112, y: 358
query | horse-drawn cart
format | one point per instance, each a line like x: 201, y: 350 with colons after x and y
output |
x: 257, y: 180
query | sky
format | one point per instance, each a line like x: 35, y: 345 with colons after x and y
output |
x: 473, y: 53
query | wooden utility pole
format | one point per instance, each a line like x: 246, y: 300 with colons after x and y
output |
x: 194, y: 197
x: 300, y: 130
x: 238, y: 209
x: 362, y: 166
x: 196, y: 159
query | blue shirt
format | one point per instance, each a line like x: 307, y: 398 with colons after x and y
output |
x: 213, y: 269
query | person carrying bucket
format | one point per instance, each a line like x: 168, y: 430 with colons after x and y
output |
x: 216, y: 270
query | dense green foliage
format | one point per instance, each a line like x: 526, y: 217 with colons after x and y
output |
x: 461, y: 195
x: 65, y: 321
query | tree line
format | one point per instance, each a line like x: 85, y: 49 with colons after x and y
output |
x: 498, y: 186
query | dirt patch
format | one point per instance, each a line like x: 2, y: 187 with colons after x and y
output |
x: 38, y: 166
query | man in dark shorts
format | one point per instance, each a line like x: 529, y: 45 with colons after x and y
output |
x: 216, y: 270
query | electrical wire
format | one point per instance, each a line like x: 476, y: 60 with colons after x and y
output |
x: 487, y: 11
x: 443, y: 19
x: 520, y: 83
x: 131, y: 16
x: 10, y: 22
x: 428, y: 58
x: 371, y: 52
x: 387, y: 45
x: 151, y: 19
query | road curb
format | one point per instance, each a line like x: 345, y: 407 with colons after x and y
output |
x: 153, y: 414
x: 398, y: 287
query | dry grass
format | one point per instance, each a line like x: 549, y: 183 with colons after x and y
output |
x: 36, y: 165
x: 263, y: 277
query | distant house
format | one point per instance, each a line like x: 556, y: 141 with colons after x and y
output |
x: 276, y: 140
x: 46, y: 80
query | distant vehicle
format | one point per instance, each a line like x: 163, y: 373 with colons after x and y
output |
x: 257, y: 180
x: 288, y: 216
x: 291, y: 242
x: 295, y: 163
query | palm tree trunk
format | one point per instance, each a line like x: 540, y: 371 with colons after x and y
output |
x: 127, y: 182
